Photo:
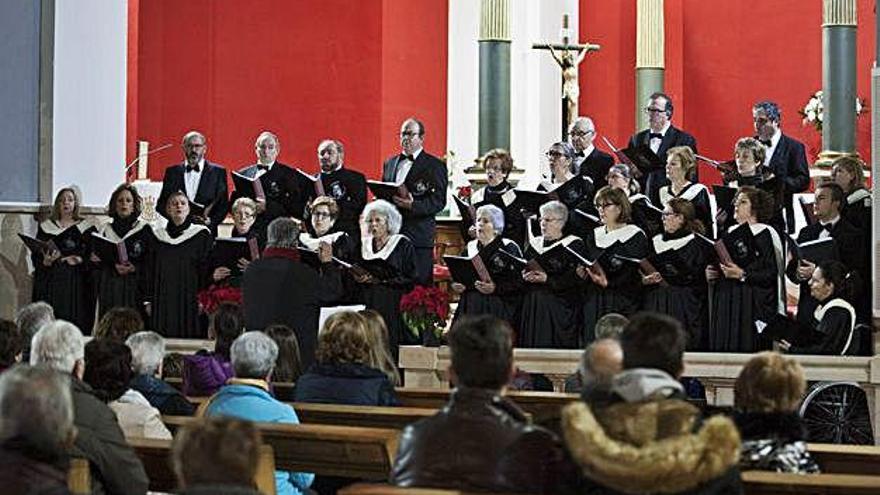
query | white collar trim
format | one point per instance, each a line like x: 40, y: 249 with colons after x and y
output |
x: 858, y: 195
x: 52, y: 228
x: 661, y: 245
x: 189, y: 233
x: 107, y: 231
x: 537, y: 243
x: 623, y: 234
x: 312, y: 243
x: 367, y: 247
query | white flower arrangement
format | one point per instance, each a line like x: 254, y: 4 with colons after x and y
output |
x: 814, y: 111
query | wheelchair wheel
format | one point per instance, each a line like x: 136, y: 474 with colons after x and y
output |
x: 837, y: 412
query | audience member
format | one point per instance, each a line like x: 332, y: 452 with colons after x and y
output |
x: 609, y: 326
x: 36, y: 431
x: 147, y: 353
x: 288, y: 366
x: 380, y: 357
x: 10, y: 344
x: 480, y: 441
x: 601, y: 361
x: 115, y: 467
x: 217, y: 457
x: 118, y: 324
x: 29, y: 319
x: 108, y: 372
x: 247, y: 396
x: 768, y: 392
x: 646, y: 437
x: 342, y: 372
x: 205, y: 372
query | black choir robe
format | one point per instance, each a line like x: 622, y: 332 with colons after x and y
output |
x: 128, y: 291
x: 67, y: 288
x: 683, y: 296
x: 549, y: 315
x: 624, y: 291
x: 212, y: 191
x: 344, y: 247
x: 495, y: 196
x: 581, y: 199
x: 255, y: 232
x: 646, y: 215
x: 736, y: 306
x: 857, y: 211
x: 385, y: 296
x: 596, y: 166
x: 832, y: 330
x: 651, y: 183
x: 767, y: 182
x: 698, y: 195
x: 505, y: 301
x: 349, y: 189
x: 283, y: 190
x: 180, y: 268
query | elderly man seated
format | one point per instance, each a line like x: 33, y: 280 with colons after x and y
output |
x: 247, y: 396
x: 36, y: 430
x: 115, y: 467
x: 147, y: 352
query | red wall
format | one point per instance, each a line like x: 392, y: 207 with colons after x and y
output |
x: 305, y: 69
x: 721, y: 57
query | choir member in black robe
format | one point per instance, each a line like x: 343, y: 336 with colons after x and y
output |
x: 384, y: 242
x: 60, y: 276
x: 180, y: 269
x: 849, y: 174
x: 499, y: 192
x: 740, y: 296
x: 678, y: 287
x: 681, y: 166
x: 244, y: 226
x: 562, y: 169
x: 345, y: 186
x: 499, y: 297
x: 643, y: 213
x: 124, y: 284
x: 549, y: 315
x: 750, y: 154
x: 618, y: 246
x: 323, y: 227
x: 834, y: 320
x: 589, y: 160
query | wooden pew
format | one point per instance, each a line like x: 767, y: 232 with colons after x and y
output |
x: 543, y: 406
x: 79, y: 477
x: 768, y: 483
x: 366, y: 453
x: 846, y: 459
x: 156, y: 457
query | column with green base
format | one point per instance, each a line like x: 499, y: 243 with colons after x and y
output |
x: 494, y: 75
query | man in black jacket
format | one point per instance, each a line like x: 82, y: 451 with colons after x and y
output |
x: 660, y: 136
x: 116, y: 469
x: 347, y: 187
x: 203, y: 182
x: 589, y: 160
x: 786, y: 157
x: 426, y: 180
x: 279, y: 288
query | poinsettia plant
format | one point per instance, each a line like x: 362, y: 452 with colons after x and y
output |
x: 464, y: 192
x: 425, y: 309
x: 211, y: 297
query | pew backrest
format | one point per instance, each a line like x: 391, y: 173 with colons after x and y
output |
x: 361, y: 416
x: 542, y: 406
x: 770, y: 483
x: 846, y: 459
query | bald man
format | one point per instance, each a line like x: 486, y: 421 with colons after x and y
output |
x: 601, y: 360
x: 589, y: 160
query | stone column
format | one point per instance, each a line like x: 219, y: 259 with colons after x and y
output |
x: 838, y: 80
x: 649, y: 55
x: 494, y: 75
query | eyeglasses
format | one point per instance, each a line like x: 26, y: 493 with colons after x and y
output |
x: 581, y: 133
x: 243, y: 214
x: 655, y: 110
x: 604, y: 205
x: 320, y: 214
x: 548, y: 219
x: 553, y: 154
x: 409, y: 134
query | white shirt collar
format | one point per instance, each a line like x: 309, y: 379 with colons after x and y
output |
x: 662, y: 131
x: 339, y: 167
x: 588, y: 150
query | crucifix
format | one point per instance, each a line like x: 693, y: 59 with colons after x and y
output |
x: 568, y: 57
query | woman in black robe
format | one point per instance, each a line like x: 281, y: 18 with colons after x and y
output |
x: 498, y: 191
x: 383, y: 294
x: 849, y: 174
x: 124, y: 284
x: 179, y: 268
x: 60, y: 276
x: 743, y: 296
x: 643, y: 213
x: 323, y: 213
x: 549, y: 315
x: 244, y: 226
x: 834, y: 318
x: 618, y: 247
x: 678, y: 287
x: 681, y: 168
x: 575, y: 191
x: 499, y: 297
x: 750, y: 171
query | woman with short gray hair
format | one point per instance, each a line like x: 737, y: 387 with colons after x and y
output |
x: 388, y: 260
x: 147, y: 353
x: 498, y: 294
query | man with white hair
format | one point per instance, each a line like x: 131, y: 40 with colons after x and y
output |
x: 36, y: 430
x: 247, y: 396
x: 115, y: 467
x: 589, y: 161
x: 147, y: 353
x: 29, y: 319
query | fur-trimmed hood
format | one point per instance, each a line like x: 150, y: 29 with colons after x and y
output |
x: 650, y: 446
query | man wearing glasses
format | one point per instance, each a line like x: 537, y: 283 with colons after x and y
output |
x: 347, y: 187
x: 660, y: 136
x: 283, y: 196
x: 426, y: 180
x: 786, y: 157
x: 589, y: 161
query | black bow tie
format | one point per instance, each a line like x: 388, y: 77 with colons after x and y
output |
x: 407, y: 157
x: 263, y: 167
x: 827, y: 226
x: 766, y: 142
x: 580, y: 154
x: 655, y: 135
x: 192, y: 168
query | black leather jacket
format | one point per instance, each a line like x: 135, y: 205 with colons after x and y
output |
x: 480, y: 441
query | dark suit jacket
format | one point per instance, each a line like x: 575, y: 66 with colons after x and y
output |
x: 427, y: 181
x: 283, y: 192
x: 674, y: 136
x: 789, y: 163
x: 349, y: 189
x: 212, y: 190
x: 596, y: 166
x: 279, y: 289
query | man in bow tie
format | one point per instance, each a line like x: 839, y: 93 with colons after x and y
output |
x: 203, y: 182
x: 660, y: 136
x: 786, y: 157
x: 348, y: 187
x: 281, y: 186
x: 589, y: 160
x: 426, y: 180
